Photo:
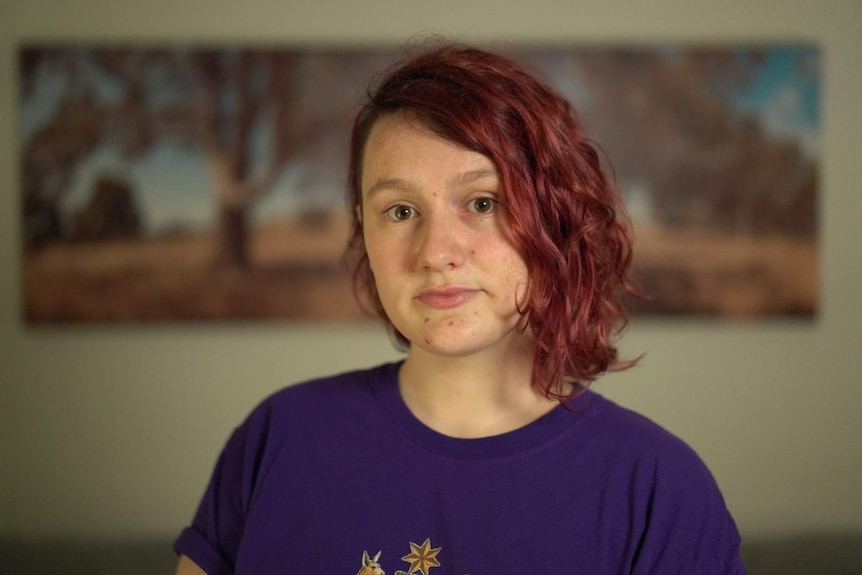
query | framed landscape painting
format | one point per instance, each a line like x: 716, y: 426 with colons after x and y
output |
x: 169, y: 183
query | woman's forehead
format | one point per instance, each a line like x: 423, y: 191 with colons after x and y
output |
x: 396, y: 137
x: 403, y: 158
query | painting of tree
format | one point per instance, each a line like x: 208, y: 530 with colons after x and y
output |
x: 167, y: 183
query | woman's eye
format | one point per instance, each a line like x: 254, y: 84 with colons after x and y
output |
x: 400, y: 213
x: 483, y: 205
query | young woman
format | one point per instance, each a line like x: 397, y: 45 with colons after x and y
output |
x: 490, y: 241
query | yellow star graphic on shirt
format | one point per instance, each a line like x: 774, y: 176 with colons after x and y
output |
x: 422, y: 557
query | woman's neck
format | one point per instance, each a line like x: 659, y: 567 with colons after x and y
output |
x: 474, y: 396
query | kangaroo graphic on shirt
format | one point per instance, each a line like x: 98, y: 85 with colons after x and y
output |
x: 421, y: 559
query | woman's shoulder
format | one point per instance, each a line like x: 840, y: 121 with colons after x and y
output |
x: 630, y: 435
x: 624, y: 422
x: 347, y: 385
x: 684, y: 502
x: 341, y: 395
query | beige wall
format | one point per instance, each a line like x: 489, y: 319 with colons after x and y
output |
x: 114, y: 430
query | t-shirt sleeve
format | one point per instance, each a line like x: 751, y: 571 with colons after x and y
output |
x: 688, y: 526
x: 213, y: 538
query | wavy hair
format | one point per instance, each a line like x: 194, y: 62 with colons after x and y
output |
x: 566, y: 218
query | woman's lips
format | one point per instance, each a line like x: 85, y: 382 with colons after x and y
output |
x: 446, y: 298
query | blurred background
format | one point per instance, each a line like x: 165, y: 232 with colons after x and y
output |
x: 109, y: 431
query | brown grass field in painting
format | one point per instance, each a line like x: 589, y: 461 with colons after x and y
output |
x: 696, y: 272
x: 297, y: 275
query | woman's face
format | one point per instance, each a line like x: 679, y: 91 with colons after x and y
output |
x: 435, y: 231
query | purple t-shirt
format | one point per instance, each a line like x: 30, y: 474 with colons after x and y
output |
x: 337, y: 476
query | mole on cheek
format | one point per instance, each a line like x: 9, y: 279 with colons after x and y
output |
x: 450, y: 323
x: 427, y: 319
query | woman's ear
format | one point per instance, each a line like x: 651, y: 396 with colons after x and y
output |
x: 358, y: 210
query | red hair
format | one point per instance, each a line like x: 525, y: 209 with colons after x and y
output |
x: 565, y: 217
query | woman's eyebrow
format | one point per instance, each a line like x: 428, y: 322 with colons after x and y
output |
x: 469, y: 177
x: 398, y: 184
x: 402, y: 185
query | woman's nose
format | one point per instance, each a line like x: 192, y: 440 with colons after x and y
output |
x: 440, y: 243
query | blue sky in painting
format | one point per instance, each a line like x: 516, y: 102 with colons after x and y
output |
x: 785, y: 95
x: 173, y: 183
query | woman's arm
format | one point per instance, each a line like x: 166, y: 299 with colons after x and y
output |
x: 188, y: 567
